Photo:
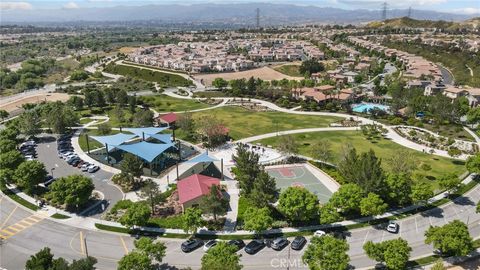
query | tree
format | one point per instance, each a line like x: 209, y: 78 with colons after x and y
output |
x: 104, y: 129
x: 212, y: 131
x: 41, y: 260
x: 79, y: 75
x: 454, y: 152
x: 214, y: 203
x: 323, y: 151
x: 311, y: 66
x: 221, y: 256
x: 7, y: 145
x: 192, y: 219
x: 449, y: 182
x: 187, y: 124
x: 264, y: 190
x: 87, y: 263
x: 403, y: 162
x: 399, y: 189
x: 438, y: 265
x: 151, y: 192
x: 473, y: 116
x: 135, y: 261
x: 11, y: 159
x: 220, y: 83
x: 29, y: 123
x: 473, y: 164
x: 257, y: 219
x: 136, y: 215
x: 421, y: 192
x: 394, y: 253
x: 155, y: 250
x: 347, y: 198
x: 287, y: 145
x: 246, y: 169
x: 451, y: 239
x: 29, y: 174
x: 329, y: 214
x: 298, y: 204
x: 372, y: 205
x: 326, y: 253
x: 59, y: 117
x: 3, y: 114
x: 118, y: 113
x: 143, y: 118
x: 73, y: 191
x: 132, y: 165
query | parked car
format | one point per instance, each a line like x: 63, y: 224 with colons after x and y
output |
x: 72, y: 161
x: 93, y: 168
x: 49, y: 181
x: 66, y: 154
x: 254, y: 246
x: 298, y: 243
x: 75, y: 162
x: 279, y: 243
x: 70, y: 157
x: 238, y: 243
x: 393, y: 227
x: 29, y: 157
x: 210, y: 244
x: 80, y: 164
x: 85, y: 166
x: 319, y: 233
x: 28, y: 143
x: 191, y: 245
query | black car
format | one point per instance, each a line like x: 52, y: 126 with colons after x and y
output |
x: 279, y: 243
x: 298, y: 243
x: 75, y: 162
x: 191, y: 245
x: 254, y: 246
x: 49, y: 181
x: 71, y: 161
x: 238, y: 243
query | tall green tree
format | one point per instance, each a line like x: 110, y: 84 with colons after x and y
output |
x: 347, y: 198
x: 71, y: 191
x: 473, y: 164
x: 29, y: 174
x: 246, y: 168
x: 394, y: 253
x: 220, y: 83
x: 451, y: 239
x: 421, y: 192
x: 143, y: 118
x: 329, y: 214
x: 287, y: 145
x: 59, y: 117
x: 403, y: 162
x: 155, y: 250
x: 449, y: 182
x: 221, y: 256
x: 136, y: 215
x: 29, y: 123
x: 7, y: 145
x: 399, y: 188
x: 11, y: 159
x: 192, y: 219
x: 298, y: 204
x: 3, y: 114
x: 326, y: 253
x: 257, y: 219
x: 264, y: 190
x: 372, y: 205
x: 135, y: 261
x: 214, y: 203
x: 150, y: 191
x: 323, y: 151
x: 132, y: 165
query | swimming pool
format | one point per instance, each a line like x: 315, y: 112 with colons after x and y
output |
x: 366, y: 107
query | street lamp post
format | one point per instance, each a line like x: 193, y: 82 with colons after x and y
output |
x: 51, y: 171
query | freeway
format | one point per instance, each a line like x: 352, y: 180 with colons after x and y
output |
x: 27, y: 232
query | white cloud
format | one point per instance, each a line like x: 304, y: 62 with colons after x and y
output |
x: 71, y: 5
x: 391, y: 3
x: 468, y: 11
x: 15, y: 5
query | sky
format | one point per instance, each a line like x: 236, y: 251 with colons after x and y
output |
x: 452, y: 6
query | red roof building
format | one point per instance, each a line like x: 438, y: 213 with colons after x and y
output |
x: 192, y: 189
x: 168, y: 118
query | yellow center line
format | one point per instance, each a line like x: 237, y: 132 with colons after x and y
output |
x: 124, y: 245
x: 8, y: 232
x: 8, y: 217
x: 82, y: 243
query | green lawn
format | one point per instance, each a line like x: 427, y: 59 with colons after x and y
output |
x: 163, y: 79
x: 290, y: 70
x: 82, y: 139
x: 164, y: 103
x: 245, y: 123
x: 383, y: 149
x: 209, y: 94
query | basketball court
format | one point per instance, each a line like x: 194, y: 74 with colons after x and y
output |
x: 303, y: 175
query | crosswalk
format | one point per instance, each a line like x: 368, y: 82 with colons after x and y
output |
x: 21, y: 225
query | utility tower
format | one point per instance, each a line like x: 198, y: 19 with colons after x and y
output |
x: 409, y: 12
x: 257, y: 17
x: 384, y: 10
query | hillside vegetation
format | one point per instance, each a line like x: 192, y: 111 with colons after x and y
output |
x: 406, y: 22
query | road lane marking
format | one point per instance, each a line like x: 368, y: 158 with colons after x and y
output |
x: 416, y: 226
x: 366, y: 235
x: 124, y: 245
x: 20, y: 226
x: 9, y: 216
x: 82, y: 243
x: 400, y: 230
x: 383, y: 235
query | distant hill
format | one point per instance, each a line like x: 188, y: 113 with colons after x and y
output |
x: 406, y: 22
x: 242, y: 14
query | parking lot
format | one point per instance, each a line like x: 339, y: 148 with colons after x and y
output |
x: 47, y: 153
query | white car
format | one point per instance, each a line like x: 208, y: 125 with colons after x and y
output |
x: 66, y: 154
x: 210, y: 244
x: 319, y: 233
x: 29, y: 143
x: 93, y: 168
x: 71, y: 156
x: 393, y: 227
x: 29, y: 157
x: 85, y: 166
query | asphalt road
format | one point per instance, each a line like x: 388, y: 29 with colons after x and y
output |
x: 47, y: 153
x: 108, y: 248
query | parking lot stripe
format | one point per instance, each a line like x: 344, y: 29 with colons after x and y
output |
x: 8, y: 217
x: 366, y: 235
x: 416, y: 226
x: 5, y: 231
x: 124, y: 245
x: 19, y: 226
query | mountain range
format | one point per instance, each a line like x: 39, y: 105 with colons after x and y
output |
x: 241, y: 14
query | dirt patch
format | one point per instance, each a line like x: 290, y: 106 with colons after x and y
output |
x: 15, y: 105
x: 264, y: 73
x: 127, y: 50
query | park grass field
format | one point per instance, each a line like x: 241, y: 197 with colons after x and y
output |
x: 383, y: 148
x: 245, y: 123
x: 290, y: 70
x: 164, y: 103
x: 163, y: 79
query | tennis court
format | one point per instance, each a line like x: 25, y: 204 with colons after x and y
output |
x: 303, y: 176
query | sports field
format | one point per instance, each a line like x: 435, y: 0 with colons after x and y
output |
x: 300, y: 176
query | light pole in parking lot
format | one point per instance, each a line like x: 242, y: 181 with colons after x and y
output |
x: 51, y: 171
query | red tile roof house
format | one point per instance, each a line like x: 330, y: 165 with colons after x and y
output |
x: 169, y: 118
x: 192, y: 189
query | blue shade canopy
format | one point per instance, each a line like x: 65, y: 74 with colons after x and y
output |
x: 145, y: 150
x: 116, y: 139
x: 145, y: 131
x: 166, y: 138
x: 204, y: 157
